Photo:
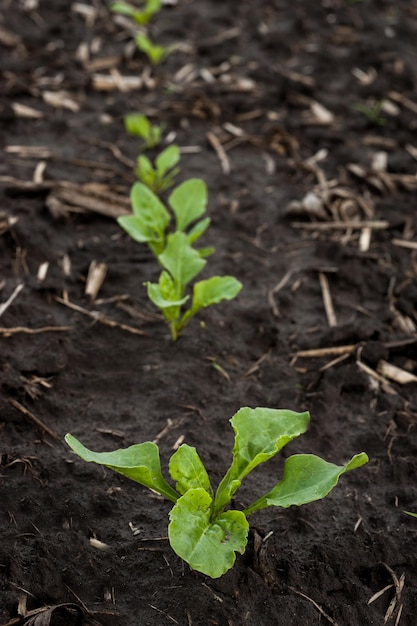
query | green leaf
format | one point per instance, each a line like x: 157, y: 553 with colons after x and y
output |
x: 306, y: 478
x: 167, y: 159
x: 214, y: 290
x: 187, y: 469
x: 259, y: 434
x: 122, y: 8
x: 198, y: 229
x: 161, y: 298
x: 139, y: 463
x: 146, y: 173
x: 137, y: 124
x: 155, y: 53
x: 409, y: 513
x: 181, y: 260
x: 188, y: 201
x: 150, y: 219
x: 208, y: 547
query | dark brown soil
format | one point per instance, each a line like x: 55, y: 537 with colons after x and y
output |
x: 272, y: 63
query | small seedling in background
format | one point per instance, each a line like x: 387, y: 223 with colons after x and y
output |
x: 180, y: 261
x: 139, y: 126
x: 156, y: 54
x: 373, y: 113
x: 141, y: 16
x: 181, y: 264
x: 202, y: 530
x: 161, y: 177
x: 150, y: 219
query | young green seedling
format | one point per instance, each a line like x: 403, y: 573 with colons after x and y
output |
x: 156, y: 54
x: 150, y: 218
x: 139, y: 125
x: 141, y: 16
x: 203, y: 530
x: 373, y: 112
x: 161, y: 177
x: 180, y: 262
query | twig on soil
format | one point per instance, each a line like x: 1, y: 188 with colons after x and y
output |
x: 327, y: 300
x: 171, y: 424
x: 318, y: 607
x: 319, y: 352
x: 5, y: 305
x: 375, y: 376
x: 355, y: 224
x: 99, y: 317
x: 34, y: 419
x: 218, y: 148
x: 272, y: 292
x: 403, y: 243
x: 163, y: 613
x: 7, y: 332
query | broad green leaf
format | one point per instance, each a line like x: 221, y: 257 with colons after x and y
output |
x: 139, y: 463
x: 207, y: 546
x: 214, y: 290
x: 167, y: 159
x: 306, y: 478
x: 259, y: 434
x: 150, y: 219
x: 181, y: 260
x: 187, y: 469
x: 188, y: 201
x: 137, y: 124
x: 198, y: 229
x: 138, y: 229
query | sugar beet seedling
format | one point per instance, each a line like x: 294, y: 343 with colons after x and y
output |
x: 180, y: 261
x: 203, y: 530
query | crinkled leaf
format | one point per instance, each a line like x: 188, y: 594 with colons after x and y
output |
x: 187, y: 469
x: 188, y: 201
x: 167, y: 159
x: 259, y: 434
x: 208, y: 547
x: 306, y: 478
x: 139, y: 462
x: 181, y: 260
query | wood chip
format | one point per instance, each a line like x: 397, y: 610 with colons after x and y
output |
x: 398, y: 375
x: 95, y: 278
x: 327, y: 300
x: 21, y: 110
x: 60, y: 100
x: 218, y: 148
x: 112, y: 82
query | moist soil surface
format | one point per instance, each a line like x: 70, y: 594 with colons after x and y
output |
x: 301, y: 117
